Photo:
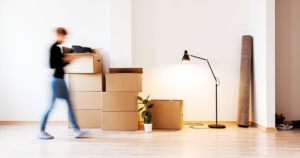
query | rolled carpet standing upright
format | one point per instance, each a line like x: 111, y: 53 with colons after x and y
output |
x: 245, y: 79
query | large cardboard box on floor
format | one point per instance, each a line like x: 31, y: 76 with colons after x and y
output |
x: 88, y: 118
x: 119, y: 101
x: 86, y: 100
x: 167, y: 114
x: 86, y: 82
x: 124, y: 80
x: 120, y: 121
x: 84, y: 62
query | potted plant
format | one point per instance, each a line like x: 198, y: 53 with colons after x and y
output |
x: 146, y: 114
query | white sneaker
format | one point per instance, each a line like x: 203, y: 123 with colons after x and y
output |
x: 44, y: 135
x: 282, y: 126
x: 82, y: 134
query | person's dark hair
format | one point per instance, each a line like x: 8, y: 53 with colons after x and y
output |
x: 61, y: 30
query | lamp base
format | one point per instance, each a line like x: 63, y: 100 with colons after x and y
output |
x: 216, y: 126
x: 245, y: 126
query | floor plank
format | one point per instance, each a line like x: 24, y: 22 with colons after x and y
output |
x: 234, y: 142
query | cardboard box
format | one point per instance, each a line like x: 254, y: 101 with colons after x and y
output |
x: 88, y: 118
x: 167, y: 114
x: 84, y: 62
x: 86, y: 82
x: 120, y: 121
x: 119, y: 101
x: 86, y: 100
x: 124, y: 80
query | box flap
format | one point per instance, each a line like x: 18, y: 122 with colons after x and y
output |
x: 126, y: 70
x: 66, y: 50
x: 166, y: 105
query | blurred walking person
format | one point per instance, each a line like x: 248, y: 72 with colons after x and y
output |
x: 59, y: 88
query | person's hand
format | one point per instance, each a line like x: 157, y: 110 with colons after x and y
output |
x: 68, y: 59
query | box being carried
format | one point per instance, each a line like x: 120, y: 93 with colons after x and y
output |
x: 124, y: 80
x: 167, y: 114
x: 84, y: 62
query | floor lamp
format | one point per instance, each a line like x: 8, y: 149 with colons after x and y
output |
x: 186, y: 58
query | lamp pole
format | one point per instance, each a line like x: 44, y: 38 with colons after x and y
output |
x: 186, y: 58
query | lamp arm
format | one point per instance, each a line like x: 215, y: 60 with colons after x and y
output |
x: 211, y: 70
x: 196, y: 57
x: 215, y: 78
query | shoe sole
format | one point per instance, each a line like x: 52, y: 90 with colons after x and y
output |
x: 45, y: 138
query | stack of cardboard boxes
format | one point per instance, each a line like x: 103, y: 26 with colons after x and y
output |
x: 119, y: 102
x: 86, y: 83
x: 117, y: 108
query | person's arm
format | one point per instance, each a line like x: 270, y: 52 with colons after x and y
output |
x: 68, y: 59
x: 56, y: 59
x: 64, y: 62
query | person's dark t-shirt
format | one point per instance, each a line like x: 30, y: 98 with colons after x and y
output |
x: 56, y: 61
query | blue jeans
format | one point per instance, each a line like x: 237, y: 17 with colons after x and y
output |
x: 59, y: 90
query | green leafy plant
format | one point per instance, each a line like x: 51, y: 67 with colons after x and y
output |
x: 146, y: 114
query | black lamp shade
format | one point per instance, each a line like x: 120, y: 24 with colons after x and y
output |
x: 185, y: 57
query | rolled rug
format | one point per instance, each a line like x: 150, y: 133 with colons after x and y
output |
x: 245, y: 79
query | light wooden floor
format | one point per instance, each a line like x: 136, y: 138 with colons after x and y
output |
x: 20, y: 141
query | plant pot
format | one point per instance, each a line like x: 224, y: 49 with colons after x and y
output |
x: 148, y: 127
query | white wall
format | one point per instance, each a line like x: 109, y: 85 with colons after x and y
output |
x: 262, y: 28
x: 153, y: 35
x: 163, y: 29
x: 26, y: 34
x: 120, y: 33
x: 270, y: 16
